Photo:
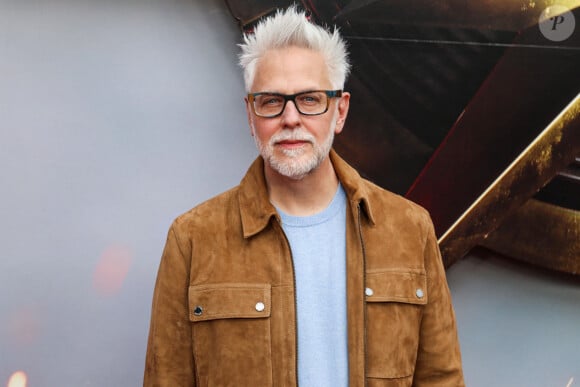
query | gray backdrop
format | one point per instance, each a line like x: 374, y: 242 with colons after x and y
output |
x: 115, y: 117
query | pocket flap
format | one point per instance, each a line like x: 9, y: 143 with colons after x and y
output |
x: 235, y: 300
x: 396, y: 286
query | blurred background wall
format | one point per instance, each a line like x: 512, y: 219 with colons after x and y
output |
x: 117, y: 116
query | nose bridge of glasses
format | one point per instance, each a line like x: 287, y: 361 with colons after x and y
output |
x: 290, y: 98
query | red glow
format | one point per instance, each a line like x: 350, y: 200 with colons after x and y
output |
x: 112, y: 269
x: 24, y: 325
x: 18, y: 379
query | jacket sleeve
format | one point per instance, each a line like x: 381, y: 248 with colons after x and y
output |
x: 439, y: 358
x: 169, y: 358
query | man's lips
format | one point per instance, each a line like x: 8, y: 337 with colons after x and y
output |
x: 291, y: 143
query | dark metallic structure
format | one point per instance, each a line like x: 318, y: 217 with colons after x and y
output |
x: 469, y: 109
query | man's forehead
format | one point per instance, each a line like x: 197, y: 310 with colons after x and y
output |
x: 291, y: 70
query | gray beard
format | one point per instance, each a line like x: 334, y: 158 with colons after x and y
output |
x: 292, y: 165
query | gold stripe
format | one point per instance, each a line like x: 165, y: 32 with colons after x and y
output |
x: 547, y: 154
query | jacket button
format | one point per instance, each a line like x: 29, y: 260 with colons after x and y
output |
x: 198, y: 310
x: 419, y: 293
x: 369, y: 292
x: 260, y: 306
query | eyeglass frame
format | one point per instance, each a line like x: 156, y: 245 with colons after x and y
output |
x: 292, y: 97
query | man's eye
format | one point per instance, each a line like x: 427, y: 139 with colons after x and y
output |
x: 270, y: 101
x: 309, y: 99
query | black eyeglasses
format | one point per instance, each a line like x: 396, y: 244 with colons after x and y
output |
x: 308, y: 103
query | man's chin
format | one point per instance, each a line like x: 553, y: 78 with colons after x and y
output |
x: 294, y: 169
x: 293, y: 152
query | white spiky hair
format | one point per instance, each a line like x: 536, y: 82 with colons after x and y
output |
x: 291, y: 27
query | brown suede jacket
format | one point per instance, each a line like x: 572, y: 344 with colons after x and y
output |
x: 224, y: 310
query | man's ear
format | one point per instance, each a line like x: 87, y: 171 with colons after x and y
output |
x: 343, y: 104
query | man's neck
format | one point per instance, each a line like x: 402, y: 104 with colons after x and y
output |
x: 306, y: 196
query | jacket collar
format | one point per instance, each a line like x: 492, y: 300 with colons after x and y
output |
x: 354, y: 185
x: 256, y: 209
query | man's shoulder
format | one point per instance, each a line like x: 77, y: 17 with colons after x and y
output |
x: 391, y: 199
x: 389, y: 205
x: 216, y: 208
x: 382, y: 202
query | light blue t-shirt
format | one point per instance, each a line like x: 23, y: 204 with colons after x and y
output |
x: 318, y: 245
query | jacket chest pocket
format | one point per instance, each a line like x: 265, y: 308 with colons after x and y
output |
x: 231, y: 334
x: 394, y: 306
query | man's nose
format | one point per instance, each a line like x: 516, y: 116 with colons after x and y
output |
x: 291, y: 115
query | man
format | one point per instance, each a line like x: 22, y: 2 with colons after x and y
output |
x: 304, y: 274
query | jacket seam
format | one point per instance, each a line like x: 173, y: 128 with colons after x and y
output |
x: 178, y: 242
x: 363, y: 248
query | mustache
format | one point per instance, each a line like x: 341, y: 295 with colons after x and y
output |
x: 292, y: 135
